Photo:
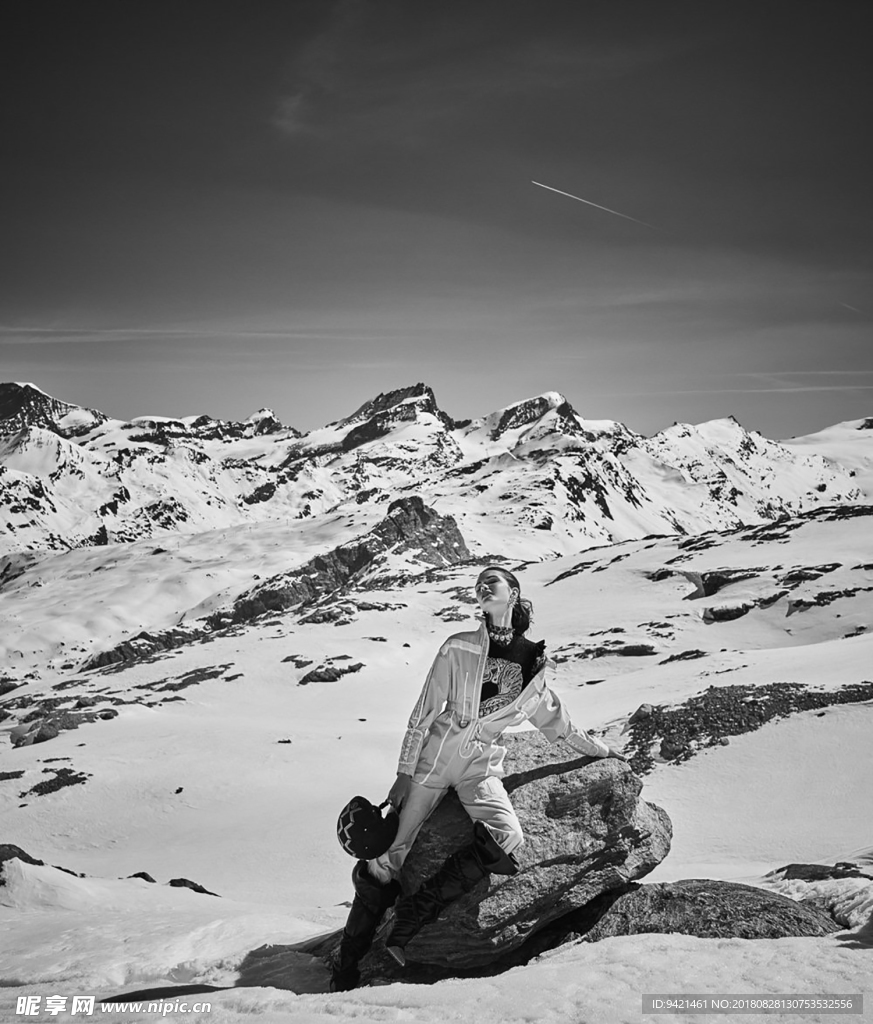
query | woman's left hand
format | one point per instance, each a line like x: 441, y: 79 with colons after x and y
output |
x: 617, y: 754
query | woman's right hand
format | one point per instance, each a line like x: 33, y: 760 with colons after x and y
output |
x: 400, y: 790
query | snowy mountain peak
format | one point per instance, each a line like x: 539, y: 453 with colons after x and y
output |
x: 525, y: 413
x: 419, y: 397
x: 264, y: 421
x: 24, y: 405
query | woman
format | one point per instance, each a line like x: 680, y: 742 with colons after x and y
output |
x: 480, y: 683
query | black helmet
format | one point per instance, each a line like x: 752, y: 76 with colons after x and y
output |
x: 362, y: 831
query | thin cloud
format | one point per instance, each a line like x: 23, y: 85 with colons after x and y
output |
x: 741, y: 391
x: 59, y: 336
x: 801, y: 373
x: 390, y: 73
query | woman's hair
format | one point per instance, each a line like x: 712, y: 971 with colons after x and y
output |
x: 522, y: 610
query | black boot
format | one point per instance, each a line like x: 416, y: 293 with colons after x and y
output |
x: 458, y: 875
x: 371, y: 901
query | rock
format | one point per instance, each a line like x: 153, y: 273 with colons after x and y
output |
x: 186, y: 883
x: 143, y: 875
x: 709, y: 909
x: 409, y: 525
x: 672, y: 748
x: 144, y: 646
x: 330, y: 673
x: 819, y: 872
x: 635, y: 650
x: 322, y: 674
x: 708, y: 718
x: 10, y: 852
x: 709, y: 583
x: 33, y: 732
x: 586, y: 832
x: 61, y: 777
x: 643, y: 711
x: 684, y: 656
x: 724, y: 613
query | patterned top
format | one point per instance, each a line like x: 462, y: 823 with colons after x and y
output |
x: 508, y: 669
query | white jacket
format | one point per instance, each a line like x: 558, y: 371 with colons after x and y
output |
x: 446, y: 739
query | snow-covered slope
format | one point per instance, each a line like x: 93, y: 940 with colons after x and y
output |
x: 533, y: 479
x: 225, y: 762
x: 848, y: 444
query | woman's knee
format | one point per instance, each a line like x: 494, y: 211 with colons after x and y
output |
x: 513, y: 836
x: 497, y: 849
x: 506, y: 832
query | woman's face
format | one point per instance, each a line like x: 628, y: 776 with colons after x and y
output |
x: 493, y: 592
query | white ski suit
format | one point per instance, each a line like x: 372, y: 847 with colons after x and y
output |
x: 447, y: 744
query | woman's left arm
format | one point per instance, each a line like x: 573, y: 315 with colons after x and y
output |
x: 553, y: 721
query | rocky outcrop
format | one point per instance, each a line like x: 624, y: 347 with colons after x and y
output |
x: 145, y: 645
x: 393, y: 406
x: 23, y: 406
x: 711, y: 717
x: 523, y: 414
x: 587, y: 832
x: 589, y: 837
x: 45, y: 723
x: 819, y: 872
x: 709, y: 909
x: 8, y: 851
x: 409, y: 526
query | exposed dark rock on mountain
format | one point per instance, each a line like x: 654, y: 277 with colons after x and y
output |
x: 10, y: 852
x: 418, y: 397
x: 683, y: 656
x: 719, y: 712
x: 409, y: 526
x: 523, y: 413
x: 145, y: 645
x: 329, y: 673
x: 709, y: 583
x: 61, y: 778
x: 46, y: 720
x: 186, y: 883
x: 725, y: 613
x: 22, y: 406
x: 824, y: 597
x: 819, y: 872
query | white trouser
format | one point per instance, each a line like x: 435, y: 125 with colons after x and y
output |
x: 484, y: 799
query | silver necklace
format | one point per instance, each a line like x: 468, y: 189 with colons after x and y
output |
x: 501, y: 634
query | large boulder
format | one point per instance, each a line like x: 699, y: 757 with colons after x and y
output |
x: 589, y: 837
x: 710, y: 909
x: 587, y: 832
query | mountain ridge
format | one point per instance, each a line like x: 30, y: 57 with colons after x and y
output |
x: 532, y: 468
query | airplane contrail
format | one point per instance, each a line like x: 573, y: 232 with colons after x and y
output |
x: 597, y: 205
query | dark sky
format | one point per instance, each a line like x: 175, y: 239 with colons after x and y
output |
x: 211, y: 207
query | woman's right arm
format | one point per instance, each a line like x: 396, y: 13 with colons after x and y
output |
x: 433, y: 697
